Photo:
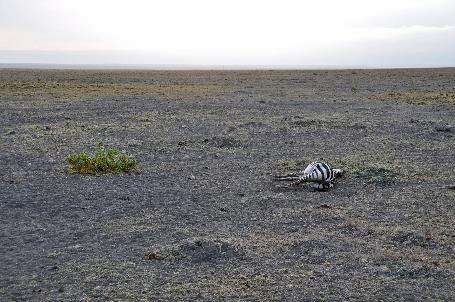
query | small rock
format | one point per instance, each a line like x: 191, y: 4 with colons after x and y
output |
x: 198, y: 242
x: 11, y: 132
x: 231, y: 129
x: 47, y: 128
x: 359, y: 126
x: 324, y: 206
x: 444, y: 128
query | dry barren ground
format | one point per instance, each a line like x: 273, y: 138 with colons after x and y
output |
x: 203, y: 219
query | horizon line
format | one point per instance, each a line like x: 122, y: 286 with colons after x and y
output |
x: 95, y: 66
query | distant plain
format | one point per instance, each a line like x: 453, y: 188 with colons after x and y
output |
x: 202, y: 219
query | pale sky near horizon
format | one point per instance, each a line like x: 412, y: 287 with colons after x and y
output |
x: 234, y: 32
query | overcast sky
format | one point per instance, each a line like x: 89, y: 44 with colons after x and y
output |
x: 229, y: 32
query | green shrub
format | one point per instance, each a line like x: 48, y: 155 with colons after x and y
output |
x: 106, y: 160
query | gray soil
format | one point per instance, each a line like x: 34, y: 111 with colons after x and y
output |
x: 203, y: 219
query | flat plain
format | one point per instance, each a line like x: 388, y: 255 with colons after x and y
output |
x: 202, y: 218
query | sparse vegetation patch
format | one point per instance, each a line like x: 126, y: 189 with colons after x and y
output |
x: 445, y: 96
x: 105, y: 160
x: 79, y: 88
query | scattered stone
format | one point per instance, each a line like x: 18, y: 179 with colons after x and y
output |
x: 324, y: 206
x: 358, y: 126
x: 444, y: 128
x: 198, y: 242
x: 231, y: 129
x: 306, y: 123
x: 413, y: 239
x: 384, y: 269
x: 254, y: 124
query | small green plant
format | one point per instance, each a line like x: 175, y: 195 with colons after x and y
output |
x: 106, y: 160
